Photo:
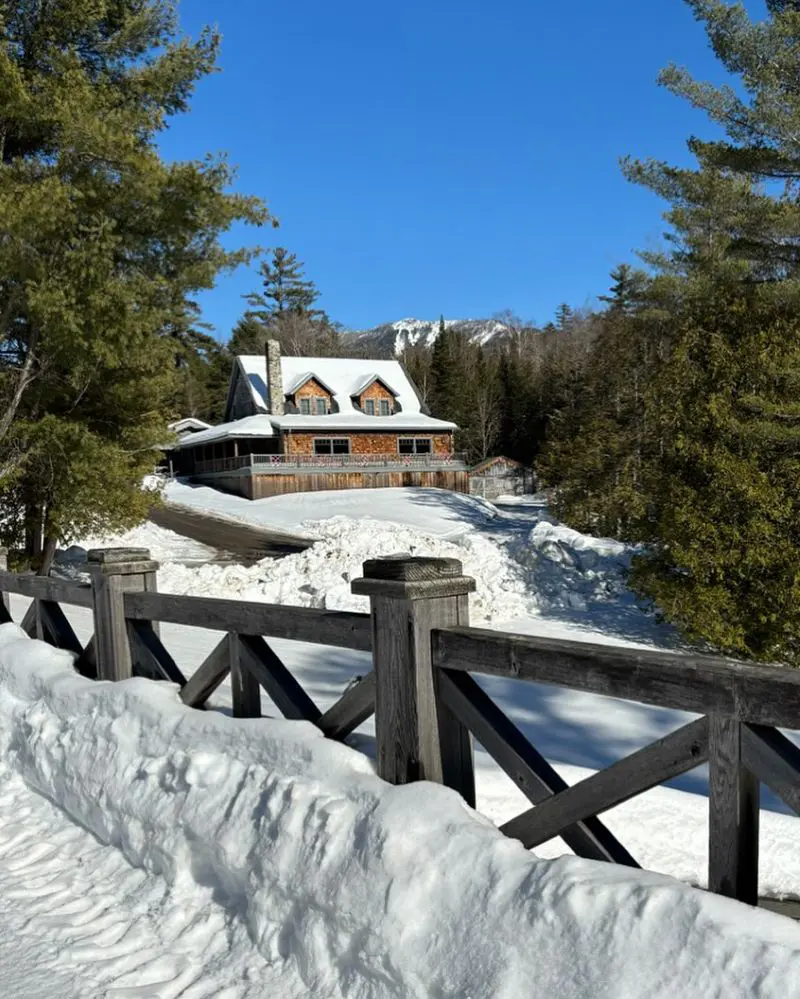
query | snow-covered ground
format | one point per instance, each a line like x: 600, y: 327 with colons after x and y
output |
x: 533, y: 576
x: 150, y: 850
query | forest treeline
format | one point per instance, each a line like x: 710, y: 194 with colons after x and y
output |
x: 667, y: 416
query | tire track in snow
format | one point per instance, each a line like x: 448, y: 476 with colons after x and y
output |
x: 79, y: 922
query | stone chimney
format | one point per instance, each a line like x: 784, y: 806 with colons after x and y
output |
x: 274, y: 379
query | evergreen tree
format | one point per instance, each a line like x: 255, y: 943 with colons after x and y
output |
x: 723, y: 508
x: 285, y: 289
x: 446, y: 391
x: 563, y: 316
x: 627, y: 289
x: 103, y: 245
x: 726, y: 217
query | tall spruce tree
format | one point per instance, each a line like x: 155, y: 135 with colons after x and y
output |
x: 724, y: 511
x: 103, y: 245
x: 285, y: 289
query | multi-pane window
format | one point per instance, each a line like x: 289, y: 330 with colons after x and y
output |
x: 331, y: 445
x: 414, y: 445
x: 305, y: 406
x: 322, y: 405
x: 369, y: 407
x: 385, y: 410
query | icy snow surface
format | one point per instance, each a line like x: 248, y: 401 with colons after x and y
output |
x: 150, y: 850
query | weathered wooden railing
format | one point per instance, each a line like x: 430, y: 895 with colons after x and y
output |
x: 428, y: 706
x: 127, y: 611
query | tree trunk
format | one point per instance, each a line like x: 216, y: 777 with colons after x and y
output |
x: 48, y: 554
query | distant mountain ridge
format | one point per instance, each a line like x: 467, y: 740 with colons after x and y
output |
x: 391, y: 339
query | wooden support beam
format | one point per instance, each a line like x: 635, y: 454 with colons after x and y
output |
x: 305, y: 624
x: 668, y: 757
x: 86, y: 663
x: 418, y: 738
x: 150, y: 657
x: 774, y: 760
x: 529, y: 770
x: 5, y: 603
x: 205, y: 680
x: 733, y: 815
x: 56, y: 629
x: 260, y: 661
x: 706, y: 685
x: 30, y: 621
x: 115, y: 572
x: 245, y: 691
x: 353, y: 707
x: 44, y: 588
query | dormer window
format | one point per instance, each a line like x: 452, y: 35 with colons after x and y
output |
x: 369, y: 407
x: 385, y: 408
x: 321, y: 405
x: 305, y: 406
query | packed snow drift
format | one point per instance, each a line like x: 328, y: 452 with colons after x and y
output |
x: 342, y: 885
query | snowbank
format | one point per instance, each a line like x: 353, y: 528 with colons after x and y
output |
x: 433, y: 511
x: 320, y: 576
x: 164, y: 545
x: 367, y: 891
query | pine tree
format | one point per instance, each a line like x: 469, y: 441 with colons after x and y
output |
x: 726, y: 217
x: 445, y: 392
x: 627, y: 289
x: 104, y: 244
x: 563, y: 316
x: 285, y: 289
x: 724, y: 507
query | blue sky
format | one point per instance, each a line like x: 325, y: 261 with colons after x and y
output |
x: 443, y: 156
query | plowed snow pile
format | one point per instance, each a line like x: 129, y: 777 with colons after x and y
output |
x: 347, y: 887
x: 320, y: 576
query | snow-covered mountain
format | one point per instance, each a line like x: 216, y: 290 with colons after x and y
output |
x: 391, y: 339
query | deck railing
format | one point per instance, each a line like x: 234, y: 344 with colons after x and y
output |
x: 264, y: 464
x: 428, y: 706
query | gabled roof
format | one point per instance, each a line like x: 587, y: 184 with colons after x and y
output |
x: 344, y: 377
x: 370, y: 380
x: 304, y: 379
x: 188, y: 423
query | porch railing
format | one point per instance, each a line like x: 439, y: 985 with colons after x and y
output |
x: 277, y: 463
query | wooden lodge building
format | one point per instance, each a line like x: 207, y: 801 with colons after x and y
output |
x: 301, y: 424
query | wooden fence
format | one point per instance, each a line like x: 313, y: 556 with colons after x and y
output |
x: 428, y: 706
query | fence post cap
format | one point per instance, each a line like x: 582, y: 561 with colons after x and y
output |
x: 121, y: 560
x: 411, y: 568
x: 410, y: 577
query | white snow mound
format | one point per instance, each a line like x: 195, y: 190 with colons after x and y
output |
x: 321, y: 575
x: 365, y: 890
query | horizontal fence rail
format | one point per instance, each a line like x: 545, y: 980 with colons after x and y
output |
x: 266, y: 463
x: 306, y: 624
x: 429, y: 707
x: 742, y: 706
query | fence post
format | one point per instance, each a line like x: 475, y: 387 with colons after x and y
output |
x: 115, y: 572
x: 5, y: 602
x: 417, y: 738
x: 733, y: 802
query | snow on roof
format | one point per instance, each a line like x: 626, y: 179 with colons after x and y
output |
x: 356, y: 420
x: 264, y: 425
x: 343, y: 376
x: 370, y: 380
x: 299, y: 382
x: 250, y: 426
x: 188, y: 423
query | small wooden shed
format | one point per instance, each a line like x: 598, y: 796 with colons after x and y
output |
x: 500, y: 476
